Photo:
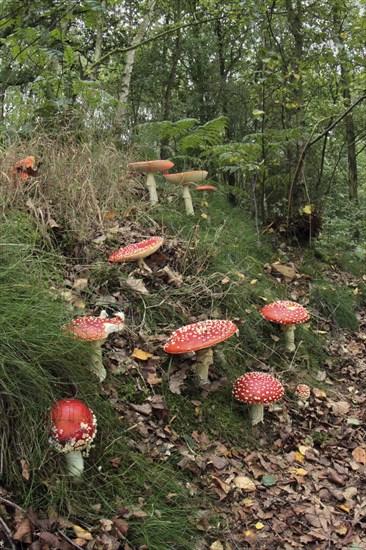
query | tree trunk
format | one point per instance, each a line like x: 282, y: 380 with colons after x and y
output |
x: 350, y: 140
x: 164, y: 149
x: 99, y: 37
x: 130, y: 59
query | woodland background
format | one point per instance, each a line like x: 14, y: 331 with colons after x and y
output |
x: 269, y: 98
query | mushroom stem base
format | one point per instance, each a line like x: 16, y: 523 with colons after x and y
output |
x: 143, y: 265
x: 289, y: 333
x: 256, y: 413
x: 97, y: 366
x: 74, y: 463
x: 188, y: 200
x: 151, y: 185
x: 204, y: 359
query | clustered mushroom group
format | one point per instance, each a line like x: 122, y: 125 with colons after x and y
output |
x: 73, y: 424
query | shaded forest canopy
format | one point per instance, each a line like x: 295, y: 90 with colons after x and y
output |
x: 269, y: 96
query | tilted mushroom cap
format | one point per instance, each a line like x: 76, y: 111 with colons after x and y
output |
x: 150, y: 166
x: 285, y: 313
x: 201, y: 335
x: 303, y: 391
x: 257, y: 387
x: 73, y: 425
x: 205, y: 188
x: 137, y: 251
x: 94, y: 328
x: 194, y: 176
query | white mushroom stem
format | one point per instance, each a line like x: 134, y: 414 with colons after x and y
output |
x: 74, y: 463
x: 97, y: 366
x: 188, y: 200
x: 256, y: 413
x: 204, y: 359
x: 289, y: 333
x: 143, y: 265
x: 151, y: 185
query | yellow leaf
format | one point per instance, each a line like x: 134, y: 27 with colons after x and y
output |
x: 141, y: 354
x: 307, y: 209
x: 298, y: 471
x: 299, y: 457
x: 245, y: 483
x: 204, y: 203
x: 247, y: 502
x: 344, y: 508
x: 80, y: 533
x: 297, y: 76
x: 204, y: 216
x: 303, y: 449
x: 216, y: 545
x: 110, y: 214
x: 253, y: 281
x: 356, y: 291
x: 259, y: 525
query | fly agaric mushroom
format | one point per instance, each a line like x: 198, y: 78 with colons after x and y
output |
x: 303, y: 394
x: 73, y: 428
x: 149, y: 167
x: 186, y: 179
x: 96, y: 330
x: 256, y: 389
x: 137, y: 251
x: 288, y: 315
x: 200, y: 337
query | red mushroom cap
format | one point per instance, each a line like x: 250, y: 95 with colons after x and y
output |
x: 136, y: 251
x: 206, y: 188
x: 194, y: 176
x: 95, y: 328
x: 257, y: 387
x: 303, y: 391
x: 201, y: 335
x: 285, y: 313
x: 150, y: 166
x: 73, y: 425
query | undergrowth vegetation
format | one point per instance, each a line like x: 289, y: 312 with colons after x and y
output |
x: 216, y: 264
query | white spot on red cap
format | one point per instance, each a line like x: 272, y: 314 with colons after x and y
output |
x: 257, y: 387
x: 285, y: 312
x: 201, y: 335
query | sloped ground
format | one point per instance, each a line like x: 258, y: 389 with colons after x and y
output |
x: 298, y: 480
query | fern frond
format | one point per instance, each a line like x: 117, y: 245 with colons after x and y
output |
x: 204, y: 136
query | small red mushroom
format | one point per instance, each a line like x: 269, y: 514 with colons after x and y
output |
x: 257, y: 389
x: 303, y: 394
x: 200, y: 337
x: 185, y: 179
x: 288, y: 315
x: 73, y: 428
x: 137, y: 252
x: 149, y: 167
x: 96, y: 330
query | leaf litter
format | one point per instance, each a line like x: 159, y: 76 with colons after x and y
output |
x: 303, y: 487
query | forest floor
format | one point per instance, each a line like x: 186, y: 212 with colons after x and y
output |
x: 295, y: 481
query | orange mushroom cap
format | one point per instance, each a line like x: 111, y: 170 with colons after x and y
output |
x: 201, y: 335
x: 136, y: 251
x: 285, y: 313
x: 206, y: 188
x: 257, y: 387
x: 150, y: 166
